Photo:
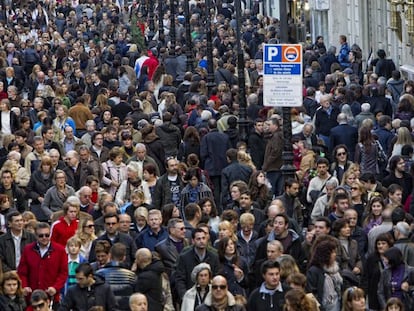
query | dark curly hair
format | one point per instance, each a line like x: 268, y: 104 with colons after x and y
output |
x: 322, y: 250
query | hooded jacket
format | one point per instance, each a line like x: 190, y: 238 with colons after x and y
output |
x: 150, y: 284
x: 263, y: 298
x: 170, y: 138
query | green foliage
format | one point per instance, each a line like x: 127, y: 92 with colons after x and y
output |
x: 136, y: 33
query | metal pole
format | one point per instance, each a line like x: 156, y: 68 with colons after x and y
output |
x: 151, y: 33
x: 243, y: 123
x: 172, y: 28
x: 210, y: 69
x: 160, y: 22
x: 288, y: 170
x: 188, y: 42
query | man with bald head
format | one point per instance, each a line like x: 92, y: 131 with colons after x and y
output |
x: 138, y: 302
x: 219, y: 296
x: 344, y: 134
x: 149, y: 278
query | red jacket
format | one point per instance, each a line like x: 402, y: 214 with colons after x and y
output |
x: 62, y: 231
x: 51, y: 270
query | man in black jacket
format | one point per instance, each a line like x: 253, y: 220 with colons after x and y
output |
x: 9, y: 245
x: 89, y: 291
x: 271, y: 294
x: 121, y: 280
x: 257, y: 144
x: 187, y: 260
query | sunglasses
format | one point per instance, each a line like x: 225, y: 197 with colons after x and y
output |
x: 181, y: 229
x: 38, y: 306
x: 45, y: 235
x: 128, y: 123
x: 354, y: 188
x: 222, y: 287
x: 341, y: 154
x: 110, y: 223
x: 90, y: 226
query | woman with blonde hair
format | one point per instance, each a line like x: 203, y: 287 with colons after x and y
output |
x: 288, y: 266
x: 86, y: 234
x: 244, y: 158
x: 403, y: 138
x: 226, y: 229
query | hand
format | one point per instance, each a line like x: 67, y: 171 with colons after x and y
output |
x: 51, y: 291
x: 114, y: 184
x: 405, y: 286
x: 40, y: 199
x: 238, y: 273
x: 309, y: 236
x: 27, y: 291
x: 356, y: 270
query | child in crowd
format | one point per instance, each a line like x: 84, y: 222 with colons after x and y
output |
x: 73, y: 246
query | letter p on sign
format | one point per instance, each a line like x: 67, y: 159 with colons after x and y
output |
x: 272, y: 52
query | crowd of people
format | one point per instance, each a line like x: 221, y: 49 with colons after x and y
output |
x: 125, y: 183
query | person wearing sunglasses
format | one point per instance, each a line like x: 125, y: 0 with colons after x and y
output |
x: 220, y: 298
x: 44, y: 265
x: 40, y: 300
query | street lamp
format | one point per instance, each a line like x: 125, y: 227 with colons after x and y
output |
x: 243, y: 123
x: 288, y: 170
x: 160, y: 21
x: 172, y: 28
x: 151, y: 33
x: 210, y: 69
x: 188, y: 43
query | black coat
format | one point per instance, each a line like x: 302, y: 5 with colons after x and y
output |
x: 185, y: 265
x: 82, y: 299
x: 149, y: 283
x: 344, y: 134
x: 7, y: 253
x: 38, y: 186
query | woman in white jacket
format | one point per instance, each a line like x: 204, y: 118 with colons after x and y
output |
x: 195, y: 296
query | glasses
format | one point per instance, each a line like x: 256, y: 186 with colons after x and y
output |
x: 43, y: 235
x: 180, y: 228
x: 222, y: 287
x: 39, y: 306
x: 341, y: 154
x: 110, y: 223
x: 128, y: 123
x: 354, y: 188
x: 89, y: 226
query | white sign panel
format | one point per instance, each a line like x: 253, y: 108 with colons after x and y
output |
x: 282, y: 75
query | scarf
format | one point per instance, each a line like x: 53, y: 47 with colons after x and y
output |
x: 332, y: 285
x: 220, y: 305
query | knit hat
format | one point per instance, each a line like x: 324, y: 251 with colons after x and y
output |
x: 197, y: 269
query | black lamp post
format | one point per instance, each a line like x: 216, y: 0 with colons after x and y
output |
x: 243, y: 123
x: 288, y: 170
x: 210, y: 68
x: 160, y: 21
x: 172, y: 28
x: 151, y: 33
x: 188, y: 43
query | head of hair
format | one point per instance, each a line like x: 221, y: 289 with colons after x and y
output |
x: 12, y: 275
x: 350, y: 294
x: 85, y: 268
x: 394, y: 256
x: 102, y: 246
x: 394, y: 301
x: 190, y: 211
x: 118, y: 252
x: 267, y: 265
